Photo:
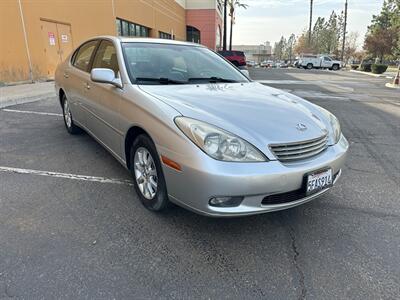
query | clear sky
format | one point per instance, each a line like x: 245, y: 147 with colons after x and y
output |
x: 268, y: 20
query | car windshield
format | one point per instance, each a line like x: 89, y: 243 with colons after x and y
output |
x: 151, y: 63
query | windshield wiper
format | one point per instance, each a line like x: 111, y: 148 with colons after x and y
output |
x: 212, y: 79
x: 161, y: 80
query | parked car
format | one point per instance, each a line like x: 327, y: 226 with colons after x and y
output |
x: 235, y: 57
x: 319, y: 62
x: 193, y: 130
x: 251, y: 63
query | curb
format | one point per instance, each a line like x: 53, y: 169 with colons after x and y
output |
x: 372, y: 74
x: 11, y: 102
x: 392, y: 86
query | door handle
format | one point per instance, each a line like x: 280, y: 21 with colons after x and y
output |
x: 66, y: 75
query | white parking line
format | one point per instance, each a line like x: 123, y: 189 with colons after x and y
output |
x: 31, y: 112
x: 65, y: 175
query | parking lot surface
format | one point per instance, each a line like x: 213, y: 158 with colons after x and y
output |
x: 72, y: 227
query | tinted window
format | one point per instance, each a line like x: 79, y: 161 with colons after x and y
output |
x: 327, y: 58
x: 106, y: 57
x: 126, y: 28
x: 83, y: 55
x: 176, y: 62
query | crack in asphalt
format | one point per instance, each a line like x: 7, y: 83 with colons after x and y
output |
x: 299, y: 270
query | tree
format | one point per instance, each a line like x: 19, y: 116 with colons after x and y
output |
x: 289, y: 47
x: 383, y: 36
x: 381, y: 42
x: 279, y: 49
x: 350, y: 48
x: 233, y: 4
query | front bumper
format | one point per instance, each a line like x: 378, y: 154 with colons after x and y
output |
x: 202, y: 179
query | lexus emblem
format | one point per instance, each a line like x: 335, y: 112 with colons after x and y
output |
x: 301, y: 127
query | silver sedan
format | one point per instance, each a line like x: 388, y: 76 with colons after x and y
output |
x: 194, y: 130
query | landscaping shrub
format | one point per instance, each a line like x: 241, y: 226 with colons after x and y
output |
x: 354, y: 67
x: 379, y: 69
x: 366, y: 67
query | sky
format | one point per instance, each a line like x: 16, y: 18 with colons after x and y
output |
x: 268, y: 20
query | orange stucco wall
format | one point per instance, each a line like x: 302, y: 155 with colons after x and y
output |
x: 86, y: 20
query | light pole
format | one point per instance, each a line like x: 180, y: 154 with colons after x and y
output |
x: 344, y: 30
x: 309, y: 29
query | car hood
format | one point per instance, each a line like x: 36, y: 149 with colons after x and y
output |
x: 262, y: 115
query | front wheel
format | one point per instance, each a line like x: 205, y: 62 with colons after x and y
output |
x: 335, y: 67
x: 68, y: 120
x: 147, y: 172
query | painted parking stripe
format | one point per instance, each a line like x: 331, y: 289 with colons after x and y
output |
x: 31, y: 112
x: 65, y: 175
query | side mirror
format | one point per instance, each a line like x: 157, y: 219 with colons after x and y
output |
x: 104, y: 75
x: 245, y: 72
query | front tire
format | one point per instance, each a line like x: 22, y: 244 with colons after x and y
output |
x: 68, y: 120
x: 147, y: 173
x: 335, y: 67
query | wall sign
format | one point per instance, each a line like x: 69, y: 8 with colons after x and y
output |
x: 64, y: 38
x: 52, y: 39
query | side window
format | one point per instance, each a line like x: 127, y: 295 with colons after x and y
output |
x: 82, y: 57
x: 106, y: 57
x: 327, y: 58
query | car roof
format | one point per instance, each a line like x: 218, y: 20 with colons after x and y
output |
x: 124, y: 39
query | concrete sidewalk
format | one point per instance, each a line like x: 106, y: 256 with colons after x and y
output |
x: 24, y: 93
x: 388, y: 75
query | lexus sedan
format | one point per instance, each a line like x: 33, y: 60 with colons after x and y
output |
x: 194, y: 130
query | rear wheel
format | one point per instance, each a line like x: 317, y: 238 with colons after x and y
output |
x: 68, y: 120
x: 147, y: 172
x: 309, y: 66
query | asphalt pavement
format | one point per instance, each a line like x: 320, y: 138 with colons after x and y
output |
x: 71, y: 226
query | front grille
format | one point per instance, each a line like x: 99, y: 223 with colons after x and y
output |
x: 299, y: 150
x: 289, y: 196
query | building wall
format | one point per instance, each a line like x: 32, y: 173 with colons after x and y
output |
x: 85, y: 19
x: 256, y: 53
x: 207, y: 21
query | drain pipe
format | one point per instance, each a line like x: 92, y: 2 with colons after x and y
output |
x: 26, y: 41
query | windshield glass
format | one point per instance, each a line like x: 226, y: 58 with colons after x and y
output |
x: 151, y: 63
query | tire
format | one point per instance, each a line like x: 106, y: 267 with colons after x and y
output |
x: 235, y: 63
x: 67, y: 115
x: 153, y: 197
x: 335, y: 67
x: 309, y: 66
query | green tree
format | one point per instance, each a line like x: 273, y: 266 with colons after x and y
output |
x: 383, y: 36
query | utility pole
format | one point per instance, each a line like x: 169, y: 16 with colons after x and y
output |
x: 225, y: 29
x: 344, y: 30
x: 309, y: 29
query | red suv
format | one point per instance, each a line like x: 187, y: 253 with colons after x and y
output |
x: 236, y: 57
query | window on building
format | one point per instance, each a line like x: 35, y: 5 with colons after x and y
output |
x: 192, y: 34
x: 164, y: 35
x: 106, y: 57
x: 126, y: 28
x: 83, y: 55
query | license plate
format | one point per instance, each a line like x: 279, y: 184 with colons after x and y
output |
x: 318, y: 181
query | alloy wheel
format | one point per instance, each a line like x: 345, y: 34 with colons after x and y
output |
x: 67, y: 114
x: 145, y: 173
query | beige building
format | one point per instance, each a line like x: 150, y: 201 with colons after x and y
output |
x: 36, y: 35
x: 256, y: 53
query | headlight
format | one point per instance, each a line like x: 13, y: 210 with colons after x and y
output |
x: 218, y: 143
x: 334, y: 130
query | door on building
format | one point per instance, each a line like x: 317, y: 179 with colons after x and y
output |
x: 57, y: 44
